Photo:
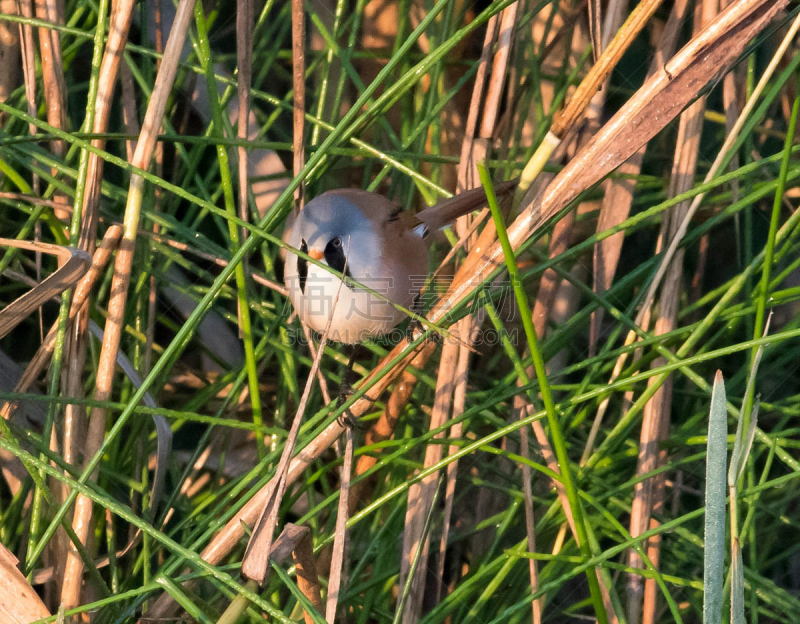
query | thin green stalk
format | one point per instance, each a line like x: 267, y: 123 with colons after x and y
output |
x: 127, y: 514
x: 204, y: 54
x: 559, y: 444
x: 769, y: 249
x: 66, y: 298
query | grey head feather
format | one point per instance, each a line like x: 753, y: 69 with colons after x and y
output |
x: 333, y: 215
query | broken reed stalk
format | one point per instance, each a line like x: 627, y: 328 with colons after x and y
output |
x: 73, y: 265
x: 80, y: 295
x: 256, y: 555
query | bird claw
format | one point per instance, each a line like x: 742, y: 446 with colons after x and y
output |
x: 415, y: 330
x: 346, y: 419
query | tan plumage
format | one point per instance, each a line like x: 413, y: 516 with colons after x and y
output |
x: 371, y: 239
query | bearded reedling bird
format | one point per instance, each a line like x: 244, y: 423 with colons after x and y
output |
x: 373, y: 241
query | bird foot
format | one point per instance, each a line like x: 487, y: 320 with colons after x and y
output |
x: 415, y: 330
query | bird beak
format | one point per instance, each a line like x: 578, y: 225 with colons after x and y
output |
x: 316, y: 254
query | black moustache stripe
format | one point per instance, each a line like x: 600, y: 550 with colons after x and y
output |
x: 302, y: 267
x: 334, y: 256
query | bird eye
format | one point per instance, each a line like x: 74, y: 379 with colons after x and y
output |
x: 336, y: 242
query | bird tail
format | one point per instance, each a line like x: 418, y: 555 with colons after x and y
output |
x: 447, y: 211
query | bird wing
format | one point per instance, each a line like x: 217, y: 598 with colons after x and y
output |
x: 447, y: 211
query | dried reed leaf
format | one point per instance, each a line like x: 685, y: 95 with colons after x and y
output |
x: 99, y: 260
x: 256, y: 555
x: 19, y: 603
x: 74, y: 263
x: 339, y: 556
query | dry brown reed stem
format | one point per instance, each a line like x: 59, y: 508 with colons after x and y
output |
x: 729, y: 141
x: 467, y: 172
x: 339, y: 555
x: 594, y: 11
x: 653, y: 106
x: 244, y: 60
x: 306, y: 570
x: 107, y: 81
x: 256, y: 555
x: 544, y: 304
x: 617, y: 201
x: 421, y: 494
x: 465, y: 329
x: 120, y: 282
x: 323, y: 383
x: 728, y: 15
x: 229, y: 536
x: 55, y: 92
x: 648, y: 494
x: 74, y: 421
x: 74, y: 415
x: 530, y: 523
x: 10, y: 35
x: 383, y: 429
x: 28, y: 56
x: 472, y: 150
x: 299, y: 96
x: 294, y: 541
x: 19, y: 602
x: 574, y: 110
x: 618, y: 191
